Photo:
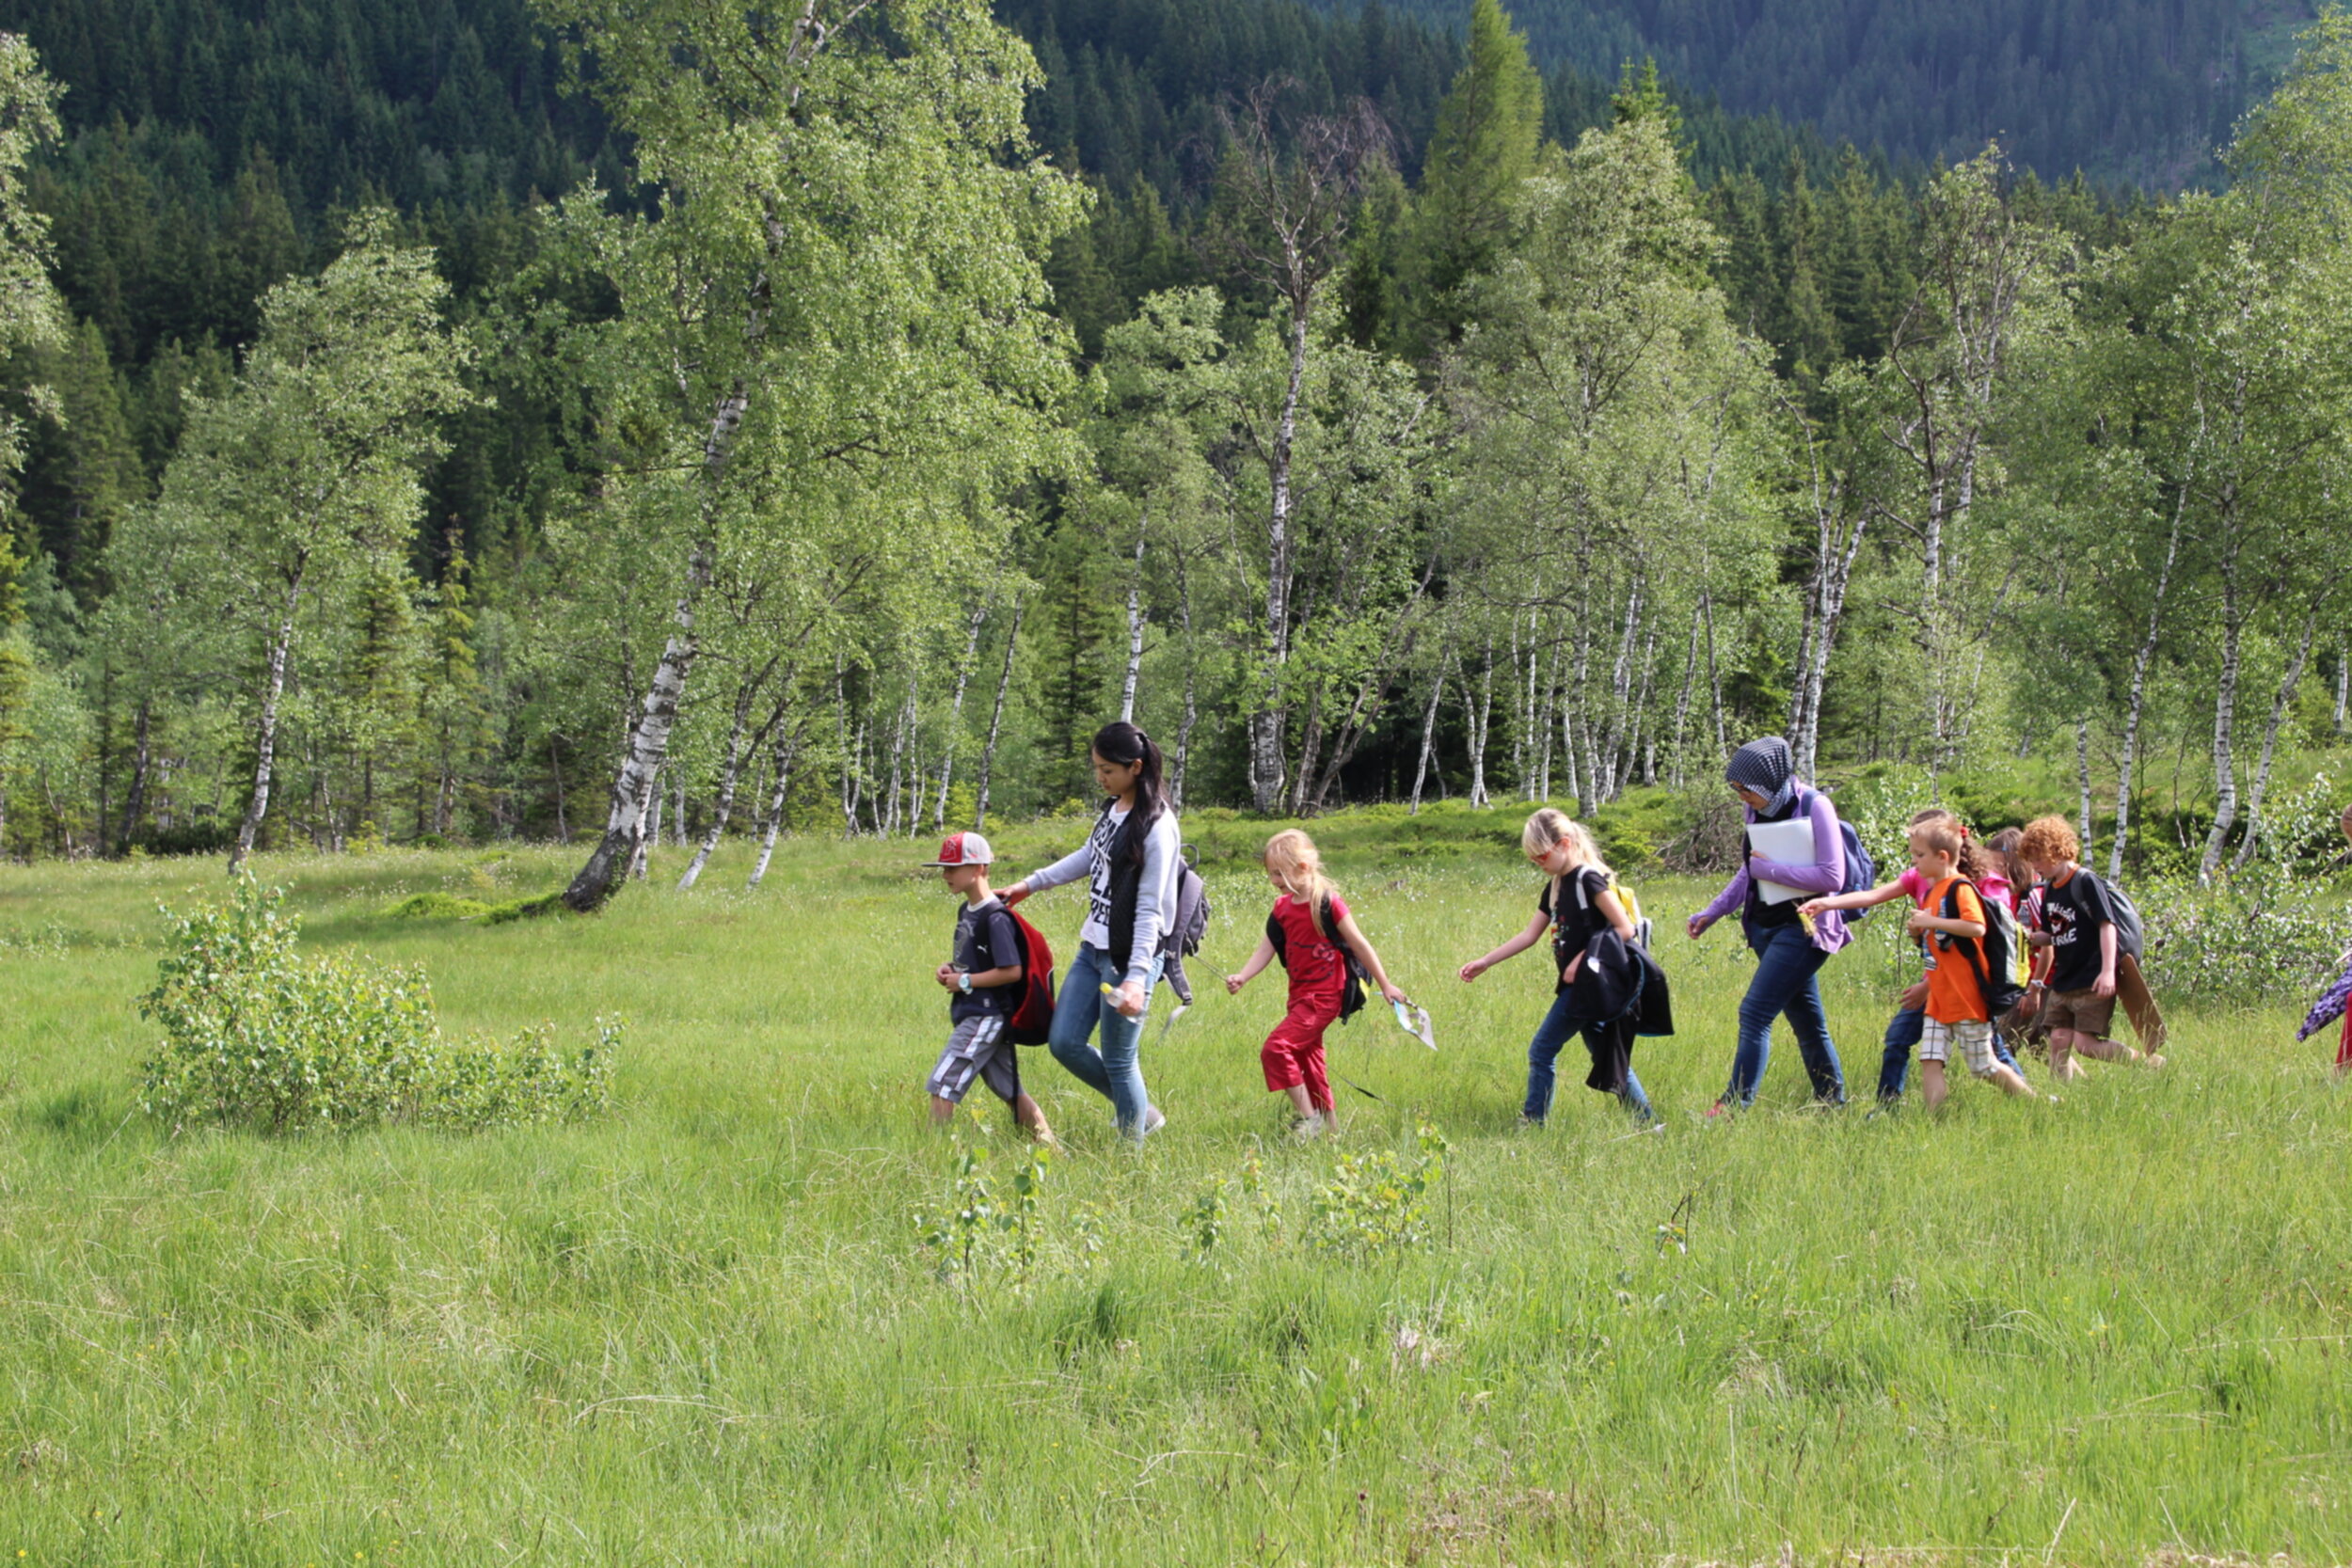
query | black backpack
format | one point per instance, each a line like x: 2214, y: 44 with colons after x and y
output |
x: 2131, y: 936
x: 1352, y: 992
x: 1991, y: 956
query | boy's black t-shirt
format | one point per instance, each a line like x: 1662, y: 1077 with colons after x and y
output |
x: 986, y: 939
x: 2073, y: 912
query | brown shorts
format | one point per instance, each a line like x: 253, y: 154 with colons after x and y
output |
x: 2084, y: 1011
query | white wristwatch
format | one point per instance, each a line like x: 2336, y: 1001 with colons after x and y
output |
x: 963, y: 981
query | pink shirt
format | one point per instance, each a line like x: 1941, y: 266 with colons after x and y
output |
x: 1990, y: 885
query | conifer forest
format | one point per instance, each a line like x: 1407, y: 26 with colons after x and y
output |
x: 451, y: 421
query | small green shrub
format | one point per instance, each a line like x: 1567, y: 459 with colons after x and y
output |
x: 1377, y: 1202
x: 255, y: 1035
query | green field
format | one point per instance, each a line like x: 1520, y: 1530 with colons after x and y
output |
x: 704, y: 1330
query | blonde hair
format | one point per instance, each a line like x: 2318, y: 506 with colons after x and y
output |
x: 1949, y: 834
x: 1296, y: 864
x: 1549, y: 826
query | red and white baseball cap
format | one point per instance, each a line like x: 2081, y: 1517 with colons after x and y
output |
x: 964, y: 849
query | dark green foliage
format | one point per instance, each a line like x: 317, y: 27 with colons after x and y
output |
x: 2138, y: 90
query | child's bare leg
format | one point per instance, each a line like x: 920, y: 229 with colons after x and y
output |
x: 1031, y: 1119
x: 1931, y: 1087
x: 942, y: 1110
x: 2009, y: 1079
x: 2100, y: 1050
x: 2062, y: 1064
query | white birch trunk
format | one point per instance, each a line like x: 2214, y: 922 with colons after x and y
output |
x: 1192, y: 707
x: 1428, y: 733
x: 1134, y: 629
x: 266, y: 732
x: 2136, y: 701
x: 2082, y: 782
x: 729, y: 767
x: 2225, y: 726
x: 788, y: 749
x: 1266, y: 725
x: 1481, y: 727
x: 954, y: 715
x: 997, y: 719
x: 2288, y: 682
x: 1714, y: 675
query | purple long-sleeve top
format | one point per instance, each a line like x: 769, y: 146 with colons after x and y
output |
x: 1825, y: 873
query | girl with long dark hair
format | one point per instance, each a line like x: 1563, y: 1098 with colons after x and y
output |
x: 1131, y: 861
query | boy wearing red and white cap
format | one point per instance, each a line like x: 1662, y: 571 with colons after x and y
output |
x: 983, y: 985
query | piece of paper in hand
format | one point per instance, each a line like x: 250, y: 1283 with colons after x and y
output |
x: 1415, y: 1021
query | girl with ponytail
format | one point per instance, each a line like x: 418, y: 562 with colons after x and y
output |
x: 1131, y: 861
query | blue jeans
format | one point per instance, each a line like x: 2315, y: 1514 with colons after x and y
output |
x: 1552, y: 1035
x: 1784, y: 985
x: 1115, y: 1071
x: 1903, y: 1037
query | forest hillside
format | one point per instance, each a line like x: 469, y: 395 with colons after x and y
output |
x: 428, y: 421
x: 2135, y: 91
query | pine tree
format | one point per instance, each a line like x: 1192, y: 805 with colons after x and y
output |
x: 82, y: 469
x: 1488, y: 128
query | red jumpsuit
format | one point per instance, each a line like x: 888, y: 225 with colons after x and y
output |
x: 1318, y: 977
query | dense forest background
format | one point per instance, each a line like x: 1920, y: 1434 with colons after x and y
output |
x: 1813, y: 245
x: 2135, y: 92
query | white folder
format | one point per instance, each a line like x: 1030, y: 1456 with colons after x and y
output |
x: 1790, y: 843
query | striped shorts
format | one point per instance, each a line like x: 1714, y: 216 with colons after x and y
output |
x: 977, y: 1048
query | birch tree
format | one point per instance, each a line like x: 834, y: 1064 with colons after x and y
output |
x: 1986, y: 291
x: 843, y: 286
x: 304, y: 477
x: 1611, y: 422
x: 1292, y: 191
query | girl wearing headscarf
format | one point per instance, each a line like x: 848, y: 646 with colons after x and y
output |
x: 2336, y: 1001
x: 1788, y: 953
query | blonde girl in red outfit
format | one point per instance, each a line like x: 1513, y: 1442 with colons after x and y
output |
x: 1313, y: 921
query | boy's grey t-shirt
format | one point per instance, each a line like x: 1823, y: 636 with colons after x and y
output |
x: 986, y: 939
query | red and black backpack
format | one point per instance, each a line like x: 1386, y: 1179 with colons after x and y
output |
x: 1032, y: 1017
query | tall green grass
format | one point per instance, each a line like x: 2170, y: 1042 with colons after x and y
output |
x: 704, y: 1330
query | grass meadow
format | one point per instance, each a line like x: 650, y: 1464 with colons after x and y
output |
x: 704, y: 1330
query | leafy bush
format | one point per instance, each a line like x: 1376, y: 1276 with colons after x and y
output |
x: 2273, y: 927
x: 256, y: 1035
x: 1375, y: 1202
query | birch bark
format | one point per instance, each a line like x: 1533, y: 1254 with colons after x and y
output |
x: 2136, y: 702
x: 265, y: 731
x: 996, y: 718
x: 2288, y: 682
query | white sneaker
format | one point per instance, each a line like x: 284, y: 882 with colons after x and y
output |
x: 1154, y: 1119
x: 1307, y: 1129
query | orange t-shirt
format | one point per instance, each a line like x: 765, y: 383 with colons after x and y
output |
x: 1952, y: 993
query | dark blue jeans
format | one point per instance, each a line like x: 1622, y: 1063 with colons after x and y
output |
x: 1551, y: 1036
x: 1903, y: 1037
x: 1115, y: 1071
x: 1784, y: 985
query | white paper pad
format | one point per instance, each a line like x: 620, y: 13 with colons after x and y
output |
x: 1791, y: 843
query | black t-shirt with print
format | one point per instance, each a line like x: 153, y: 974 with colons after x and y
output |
x: 2072, y: 910
x: 1573, y: 928
x: 986, y: 939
